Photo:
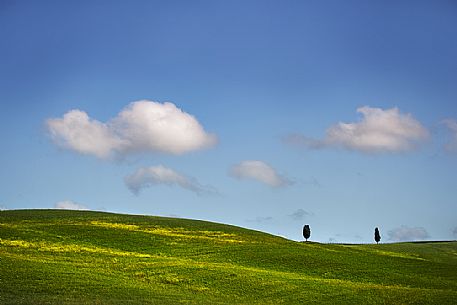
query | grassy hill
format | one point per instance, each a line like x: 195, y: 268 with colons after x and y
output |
x: 82, y: 257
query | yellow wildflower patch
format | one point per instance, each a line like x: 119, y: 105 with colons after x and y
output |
x: 180, y: 233
x: 58, y: 247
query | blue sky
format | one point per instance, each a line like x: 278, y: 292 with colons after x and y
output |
x: 341, y: 115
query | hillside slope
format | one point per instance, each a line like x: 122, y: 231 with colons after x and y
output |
x: 82, y: 257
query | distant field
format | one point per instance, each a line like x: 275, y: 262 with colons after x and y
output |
x: 82, y: 257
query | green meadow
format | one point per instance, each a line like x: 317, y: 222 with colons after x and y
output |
x: 84, y: 257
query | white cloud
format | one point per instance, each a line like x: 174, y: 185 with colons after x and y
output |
x: 378, y: 131
x: 260, y: 171
x: 70, y: 205
x: 142, y: 126
x: 451, y: 124
x: 154, y: 175
x: 405, y: 233
x: 78, y: 132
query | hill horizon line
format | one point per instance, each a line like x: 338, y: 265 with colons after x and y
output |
x: 227, y: 224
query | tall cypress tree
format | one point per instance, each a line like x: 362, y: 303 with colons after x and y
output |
x: 306, y: 232
x: 377, y: 236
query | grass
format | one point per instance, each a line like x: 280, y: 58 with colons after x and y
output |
x: 82, y: 257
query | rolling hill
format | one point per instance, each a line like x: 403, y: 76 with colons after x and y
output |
x: 85, y: 257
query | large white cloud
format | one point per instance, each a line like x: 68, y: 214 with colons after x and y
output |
x: 154, y: 175
x: 378, y: 131
x: 78, y: 132
x: 405, y: 233
x: 70, y: 205
x: 142, y: 126
x: 451, y: 124
x: 260, y: 171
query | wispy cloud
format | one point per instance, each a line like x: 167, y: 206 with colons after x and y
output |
x: 155, y: 175
x: 454, y: 232
x: 259, y: 171
x: 70, y: 205
x: 313, y: 182
x: 142, y: 126
x: 378, y: 131
x: 300, y: 214
x: 261, y: 219
x: 451, y: 145
x: 405, y: 233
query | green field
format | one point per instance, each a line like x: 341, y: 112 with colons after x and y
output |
x: 82, y: 257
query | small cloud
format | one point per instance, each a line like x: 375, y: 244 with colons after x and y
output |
x: 379, y: 131
x: 155, y: 175
x: 313, y: 181
x: 451, y: 145
x: 405, y: 233
x: 259, y: 171
x: 261, y: 219
x: 332, y: 240
x: 454, y: 232
x: 299, y: 140
x: 3, y: 208
x: 70, y: 205
x: 300, y: 214
x: 142, y: 126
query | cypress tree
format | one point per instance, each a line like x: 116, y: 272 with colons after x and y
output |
x: 306, y: 232
x: 377, y: 236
